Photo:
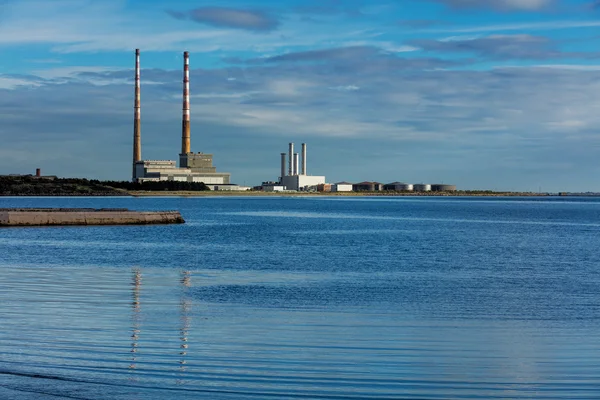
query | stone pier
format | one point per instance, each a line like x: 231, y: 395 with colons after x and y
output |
x: 85, y: 216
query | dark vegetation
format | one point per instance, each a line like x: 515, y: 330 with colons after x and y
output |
x: 156, y: 186
x: 33, y: 186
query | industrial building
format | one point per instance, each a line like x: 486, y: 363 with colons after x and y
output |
x: 296, y: 178
x: 193, y: 167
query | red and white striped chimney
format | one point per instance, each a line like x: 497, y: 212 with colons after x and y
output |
x: 137, y: 125
x: 185, y: 134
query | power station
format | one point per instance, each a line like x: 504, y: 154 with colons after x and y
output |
x: 296, y: 177
x: 193, y: 167
x: 198, y: 167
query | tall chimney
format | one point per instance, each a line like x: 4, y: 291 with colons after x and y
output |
x: 282, y: 166
x: 303, y: 158
x: 291, y: 160
x: 185, y: 132
x: 137, y: 126
x: 295, y: 163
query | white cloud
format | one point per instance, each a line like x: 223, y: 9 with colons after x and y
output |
x: 348, y: 88
x: 288, y: 87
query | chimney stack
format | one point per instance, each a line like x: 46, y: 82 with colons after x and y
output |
x: 295, y: 163
x: 303, y: 158
x: 291, y: 160
x: 282, y: 166
x: 38, y: 172
x: 137, y: 127
x: 185, y: 133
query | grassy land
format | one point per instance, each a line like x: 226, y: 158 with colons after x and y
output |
x: 32, y: 186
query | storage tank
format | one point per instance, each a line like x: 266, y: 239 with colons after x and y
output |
x: 440, y: 187
x: 422, y: 187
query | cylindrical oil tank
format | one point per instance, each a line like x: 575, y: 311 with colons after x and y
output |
x: 439, y: 187
x: 422, y: 187
x: 404, y: 187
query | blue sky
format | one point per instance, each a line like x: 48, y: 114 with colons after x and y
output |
x: 491, y: 94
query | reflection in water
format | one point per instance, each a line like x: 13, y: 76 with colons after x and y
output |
x: 185, y: 319
x: 185, y: 307
x: 136, y: 315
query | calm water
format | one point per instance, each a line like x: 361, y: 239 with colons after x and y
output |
x: 254, y: 298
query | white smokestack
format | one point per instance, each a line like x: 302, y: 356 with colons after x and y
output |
x: 303, y: 158
x: 282, y: 165
x: 295, y: 163
x: 291, y: 160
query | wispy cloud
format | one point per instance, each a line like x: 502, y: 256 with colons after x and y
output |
x: 13, y: 82
x: 253, y: 20
x: 500, y: 5
x: 420, y: 23
x: 503, y: 47
x: 522, y: 26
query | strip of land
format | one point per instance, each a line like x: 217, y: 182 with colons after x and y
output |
x: 34, y: 186
x: 250, y: 193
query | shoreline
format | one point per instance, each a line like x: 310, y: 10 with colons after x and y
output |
x: 331, y: 194
x: 184, y: 193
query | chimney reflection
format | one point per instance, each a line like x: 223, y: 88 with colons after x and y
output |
x: 185, y: 307
x: 135, y: 315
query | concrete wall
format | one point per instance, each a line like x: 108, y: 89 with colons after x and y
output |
x: 42, y: 217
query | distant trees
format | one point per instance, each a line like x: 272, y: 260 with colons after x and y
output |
x: 26, y: 185
x: 155, y: 186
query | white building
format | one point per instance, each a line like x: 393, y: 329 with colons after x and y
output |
x: 341, y: 187
x: 301, y: 182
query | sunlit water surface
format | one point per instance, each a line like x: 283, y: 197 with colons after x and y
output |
x: 305, y: 298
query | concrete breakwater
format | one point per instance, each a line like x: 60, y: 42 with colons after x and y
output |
x: 85, y: 216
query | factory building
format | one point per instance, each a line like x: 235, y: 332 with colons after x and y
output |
x: 324, y: 187
x: 193, y: 167
x: 398, y: 187
x: 297, y: 177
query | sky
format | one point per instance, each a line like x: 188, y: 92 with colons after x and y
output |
x: 484, y: 94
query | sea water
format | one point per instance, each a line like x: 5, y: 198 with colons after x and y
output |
x: 298, y: 297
